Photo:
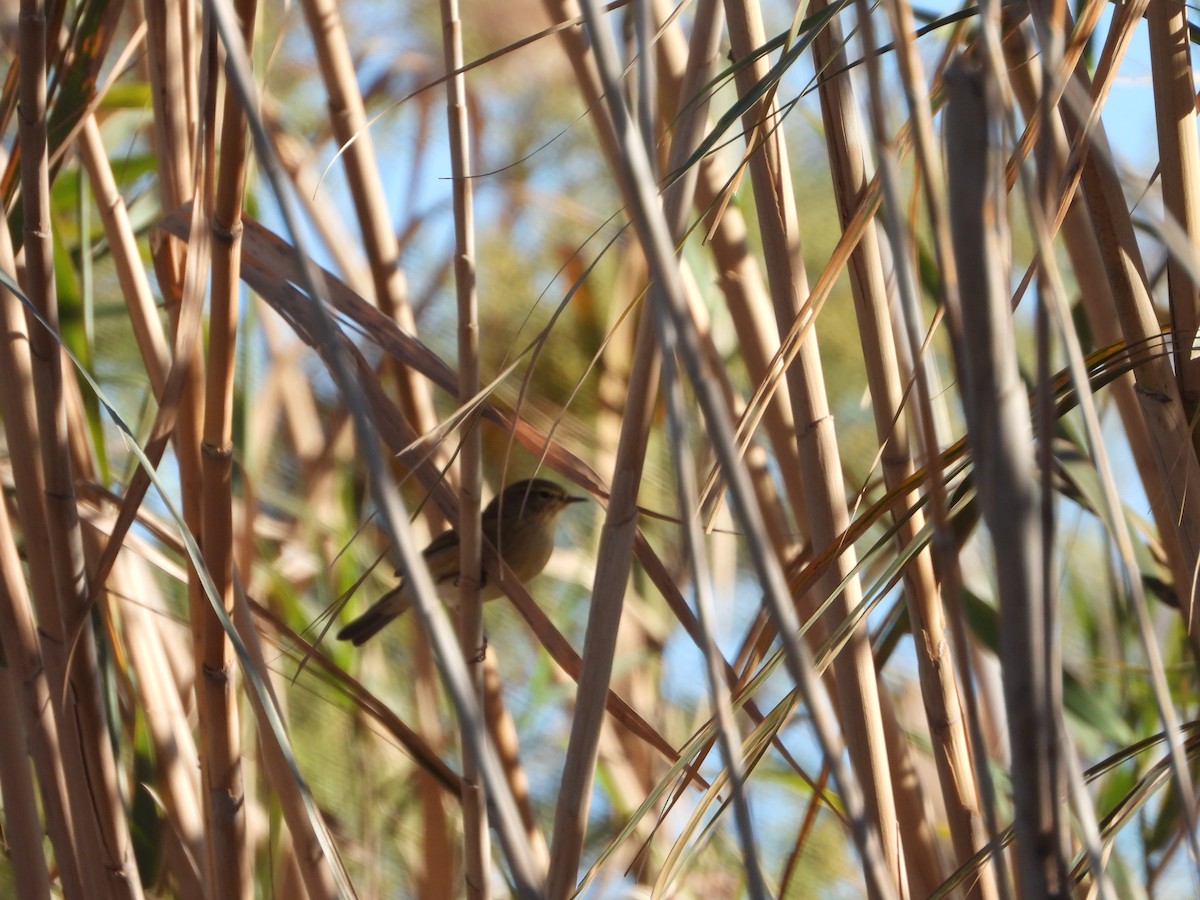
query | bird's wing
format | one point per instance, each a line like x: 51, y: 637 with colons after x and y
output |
x: 443, y: 541
x: 441, y: 556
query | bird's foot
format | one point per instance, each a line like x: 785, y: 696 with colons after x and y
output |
x: 480, y: 654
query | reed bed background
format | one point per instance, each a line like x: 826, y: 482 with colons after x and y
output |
x: 872, y: 354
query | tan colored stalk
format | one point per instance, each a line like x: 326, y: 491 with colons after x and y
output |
x: 825, y: 504
x: 1095, y: 294
x: 435, y: 878
x: 348, y: 118
x: 22, y: 827
x: 748, y: 301
x: 176, y: 760
x: 613, y: 563
x: 20, y: 682
x: 637, y: 683
x: 654, y: 235
x: 930, y: 414
x: 181, y: 268
x: 40, y: 663
x: 579, y: 55
x: 1090, y: 168
x: 470, y: 608
x: 287, y: 878
x: 935, y: 664
x: 1001, y: 437
x: 740, y: 280
x: 689, y: 128
x: 106, y: 852
x: 1157, y: 389
x: 229, y: 869
x: 1179, y: 159
x: 122, y: 244
x: 1062, y: 774
x: 322, y: 214
x: 845, y: 136
x: 171, y: 59
x: 1095, y: 173
x: 320, y: 882
x: 337, y: 354
x: 504, y: 736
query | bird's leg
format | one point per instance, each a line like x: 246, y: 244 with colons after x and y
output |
x: 480, y: 654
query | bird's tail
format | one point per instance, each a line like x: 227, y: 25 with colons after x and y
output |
x: 392, y: 604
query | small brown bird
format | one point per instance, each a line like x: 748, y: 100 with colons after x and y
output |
x: 519, y: 522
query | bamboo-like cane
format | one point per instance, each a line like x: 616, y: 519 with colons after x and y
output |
x: 229, y: 870
x: 106, y: 852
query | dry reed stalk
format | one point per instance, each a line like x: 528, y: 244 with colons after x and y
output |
x: 337, y: 354
x: 1179, y: 158
x: 181, y: 268
x: 748, y: 303
x: 944, y: 551
x: 30, y: 733
x: 288, y: 880
x: 579, y: 55
x: 434, y: 878
x: 844, y: 138
x: 40, y: 663
x: 622, y: 748
x: 630, y: 762
x: 655, y: 238
x: 728, y: 735
x: 348, y: 117
x: 935, y: 664
x: 1157, y: 389
x: 294, y: 156
x: 470, y: 461
x: 314, y: 866
x: 30, y: 877
x: 741, y: 284
x: 825, y: 506
x: 1095, y: 293
x: 504, y: 736
x: 690, y: 124
x: 173, y: 51
x: 1002, y: 442
x: 176, y: 759
x: 122, y: 243
x: 1090, y: 168
x: 229, y: 866
x: 613, y: 564
x: 1097, y: 171
x: 99, y: 816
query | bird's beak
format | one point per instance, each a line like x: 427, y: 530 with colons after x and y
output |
x: 571, y: 500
